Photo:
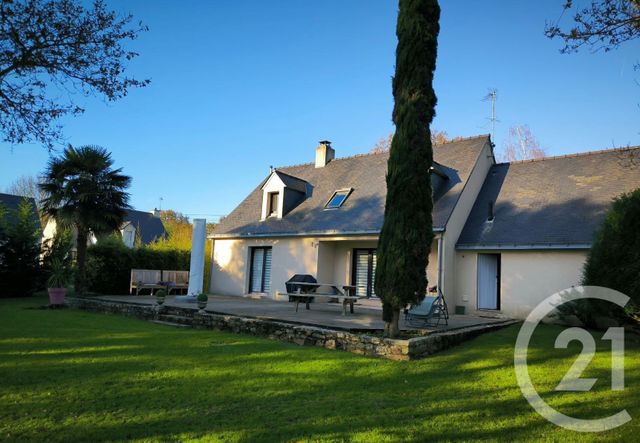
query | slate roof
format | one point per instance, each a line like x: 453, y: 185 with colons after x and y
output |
x: 11, y: 202
x: 292, y: 182
x: 363, y: 211
x: 556, y: 202
x: 147, y: 225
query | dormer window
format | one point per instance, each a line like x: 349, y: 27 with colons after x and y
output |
x: 338, y: 198
x: 281, y: 193
x: 272, y: 211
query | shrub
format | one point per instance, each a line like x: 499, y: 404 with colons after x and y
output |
x: 109, y: 264
x: 57, y: 252
x: 614, y: 259
x: 59, y: 274
x: 20, y: 272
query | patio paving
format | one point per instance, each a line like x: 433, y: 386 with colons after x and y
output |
x: 367, y: 315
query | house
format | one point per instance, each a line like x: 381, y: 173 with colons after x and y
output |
x: 12, y: 202
x: 146, y: 226
x: 507, y: 235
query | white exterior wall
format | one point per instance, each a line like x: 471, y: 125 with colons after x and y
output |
x: 230, y: 265
x: 341, y: 263
x: 131, y: 231
x: 526, y: 278
x: 466, y: 281
x: 457, y: 221
x: 329, y: 259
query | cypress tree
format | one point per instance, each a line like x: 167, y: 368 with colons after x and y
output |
x: 407, y: 233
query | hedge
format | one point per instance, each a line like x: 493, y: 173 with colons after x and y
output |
x: 109, y: 264
x: 614, y: 258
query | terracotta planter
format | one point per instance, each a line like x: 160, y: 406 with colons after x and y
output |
x: 56, y: 295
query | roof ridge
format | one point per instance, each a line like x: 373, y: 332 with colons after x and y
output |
x: 277, y: 171
x: 577, y: 154
x: 460, y: 139
x: 349, y: 157
x: 366, y: 154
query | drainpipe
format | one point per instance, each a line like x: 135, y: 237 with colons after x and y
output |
x: 440, y: 263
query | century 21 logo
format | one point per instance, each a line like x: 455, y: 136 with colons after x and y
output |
x: 572, y: 381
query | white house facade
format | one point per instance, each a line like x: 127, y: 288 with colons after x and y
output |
x: 506, y: 234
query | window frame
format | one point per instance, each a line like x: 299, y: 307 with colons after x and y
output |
x: 370, y: 290
x: 346, y: 191
x: 253, y: 249
x: 271, y: 211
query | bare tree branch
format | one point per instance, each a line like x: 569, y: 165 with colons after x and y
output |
x: 49, y: 44
x: 603, y: 25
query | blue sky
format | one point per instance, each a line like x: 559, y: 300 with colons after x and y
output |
x: 238, y: 86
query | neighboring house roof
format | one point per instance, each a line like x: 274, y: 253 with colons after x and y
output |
x: 363, y: 211
x: 11, y: 202
x: 555, y: 202
x: 148, y: 226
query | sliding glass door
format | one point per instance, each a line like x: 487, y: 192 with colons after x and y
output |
x: 260, y: 273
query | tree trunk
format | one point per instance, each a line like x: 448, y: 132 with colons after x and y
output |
x: 392, y: 327
x: 81, y: 245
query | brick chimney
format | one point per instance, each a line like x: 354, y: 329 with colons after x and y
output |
x: 324, y: 153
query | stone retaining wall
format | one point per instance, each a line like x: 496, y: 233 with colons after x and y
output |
x: 306, y: 335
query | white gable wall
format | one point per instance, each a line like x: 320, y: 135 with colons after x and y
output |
x: 273, y: 184
x: 458, y: 219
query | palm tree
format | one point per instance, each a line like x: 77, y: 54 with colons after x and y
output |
x: 84, y: 192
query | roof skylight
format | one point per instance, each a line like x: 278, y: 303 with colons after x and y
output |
x: 337, y: 199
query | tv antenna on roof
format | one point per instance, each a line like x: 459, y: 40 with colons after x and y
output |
x: 493, y: 96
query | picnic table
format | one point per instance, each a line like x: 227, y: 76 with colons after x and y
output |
x: 307, y: 292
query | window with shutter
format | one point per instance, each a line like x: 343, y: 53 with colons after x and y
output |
x: 364, y: 272
x: 260, y: 272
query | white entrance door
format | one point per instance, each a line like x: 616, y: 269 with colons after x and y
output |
x: 488, y: 281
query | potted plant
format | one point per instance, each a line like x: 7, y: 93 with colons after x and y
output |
x: 202, y: 301
x: 160, y: 295
x: 57, y: 283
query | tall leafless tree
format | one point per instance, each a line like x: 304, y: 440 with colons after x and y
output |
x: 437, y: 138
x: 521, y: 144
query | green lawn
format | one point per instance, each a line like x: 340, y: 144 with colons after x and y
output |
x: 76, y: 376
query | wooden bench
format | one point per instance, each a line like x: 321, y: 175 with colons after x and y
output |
x: 154, y: 280
x: 176, y: 280
x: 144, y: 279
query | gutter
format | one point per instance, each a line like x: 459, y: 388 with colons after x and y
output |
x: 529, y: 247
x: 302, y: 234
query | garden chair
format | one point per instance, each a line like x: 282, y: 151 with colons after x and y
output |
x: 432, y: 309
